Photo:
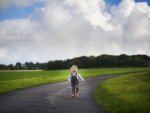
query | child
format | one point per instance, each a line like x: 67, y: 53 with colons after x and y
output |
x: 74, y: 79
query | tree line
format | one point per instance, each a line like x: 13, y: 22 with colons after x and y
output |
x: 25, y: 66
x: 104, y: 60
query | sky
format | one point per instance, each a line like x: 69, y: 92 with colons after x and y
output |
x: 44, y: 30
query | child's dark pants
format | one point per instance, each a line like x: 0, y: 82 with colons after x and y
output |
x: 75, y: 85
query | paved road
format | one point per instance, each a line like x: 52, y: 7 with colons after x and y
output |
x: 53, y: 98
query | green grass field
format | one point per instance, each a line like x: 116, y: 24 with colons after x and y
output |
x: 14, y: 80
x: 125, y: 94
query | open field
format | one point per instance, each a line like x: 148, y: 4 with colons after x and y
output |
x: 125, y: 94
x: 10, y: 81
x: 18, y: 70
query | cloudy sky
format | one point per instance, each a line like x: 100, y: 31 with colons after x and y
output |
x: 43, y: 30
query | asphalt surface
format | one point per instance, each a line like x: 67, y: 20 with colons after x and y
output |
x: 53, y: 98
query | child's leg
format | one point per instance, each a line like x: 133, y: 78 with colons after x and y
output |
x: 77, y: 90
x: 73, y: 90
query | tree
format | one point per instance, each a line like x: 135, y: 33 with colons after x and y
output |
x: 3, y: 67
x: 103, y: 61
x: 18, y: 65
x: 139, y: 62
x: 76, y: 61
x: 24, y: 67
x: 84, y: 60
x: 123, y: 60
x: 57, y: 64
x: 31, y: 66
x: 16, y: 68
x: 122, y: 63
x: 114, y: 61
x: 91, y: 62
x: 10, y: 66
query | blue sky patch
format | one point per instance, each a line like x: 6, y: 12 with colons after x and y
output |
x: 16, y: 12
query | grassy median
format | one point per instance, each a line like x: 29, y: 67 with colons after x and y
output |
x: 125, y: 94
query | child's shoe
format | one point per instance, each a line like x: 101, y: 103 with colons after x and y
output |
x: 73, y: 94
x: 76, y: 94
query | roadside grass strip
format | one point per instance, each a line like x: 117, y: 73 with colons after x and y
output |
x: 125, y: 94
x: 15, y: 80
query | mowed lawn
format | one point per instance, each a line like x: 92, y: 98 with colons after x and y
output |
x: 14, y: 80
x: 125, y: 94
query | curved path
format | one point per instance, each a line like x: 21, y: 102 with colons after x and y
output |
x: 53, y: 98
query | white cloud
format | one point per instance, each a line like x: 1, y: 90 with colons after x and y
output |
x: 4, y: 4
x: 93, y: 11
x: 3, y: 52
x: 71, y: 28
x: 143, y: 8
x: 123, y: 10
x: 136, y: 30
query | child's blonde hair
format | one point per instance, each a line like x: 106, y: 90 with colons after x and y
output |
x: 74, y: 66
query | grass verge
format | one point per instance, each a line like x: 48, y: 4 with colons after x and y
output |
x: 125, y: 94
x: 10, y: 81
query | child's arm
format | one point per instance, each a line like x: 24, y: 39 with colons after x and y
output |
x: 80, y: 77
x: 69, y: 78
